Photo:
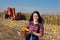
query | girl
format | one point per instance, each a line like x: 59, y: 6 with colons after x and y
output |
x: 35, y: 26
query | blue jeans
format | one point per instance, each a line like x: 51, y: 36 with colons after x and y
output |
x: 32, y: 37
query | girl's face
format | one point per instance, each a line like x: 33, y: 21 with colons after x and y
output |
x: 35, y: 16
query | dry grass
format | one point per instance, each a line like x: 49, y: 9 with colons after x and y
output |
x: 9, y: 28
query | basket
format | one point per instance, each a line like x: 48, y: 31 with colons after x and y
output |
x: 23, y: 32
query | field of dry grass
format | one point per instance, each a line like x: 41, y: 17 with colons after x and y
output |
x: 9, y: 28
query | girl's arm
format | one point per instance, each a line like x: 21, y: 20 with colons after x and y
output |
x: 27, y: 25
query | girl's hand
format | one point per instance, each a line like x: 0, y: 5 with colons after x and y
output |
x: 30, y: 30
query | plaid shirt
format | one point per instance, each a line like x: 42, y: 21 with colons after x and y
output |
x: 35, y: 27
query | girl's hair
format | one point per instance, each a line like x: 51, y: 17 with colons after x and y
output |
x: 40, y: 19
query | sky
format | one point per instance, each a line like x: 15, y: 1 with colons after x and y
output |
x: 43, y: 6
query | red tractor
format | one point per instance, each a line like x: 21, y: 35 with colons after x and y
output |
x: 16, y: 16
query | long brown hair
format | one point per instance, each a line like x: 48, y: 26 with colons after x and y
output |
x: 40, y: 19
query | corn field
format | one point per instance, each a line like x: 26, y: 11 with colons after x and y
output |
x: 9, y: 28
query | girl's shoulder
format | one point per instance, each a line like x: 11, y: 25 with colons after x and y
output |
x: 29, y: 23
